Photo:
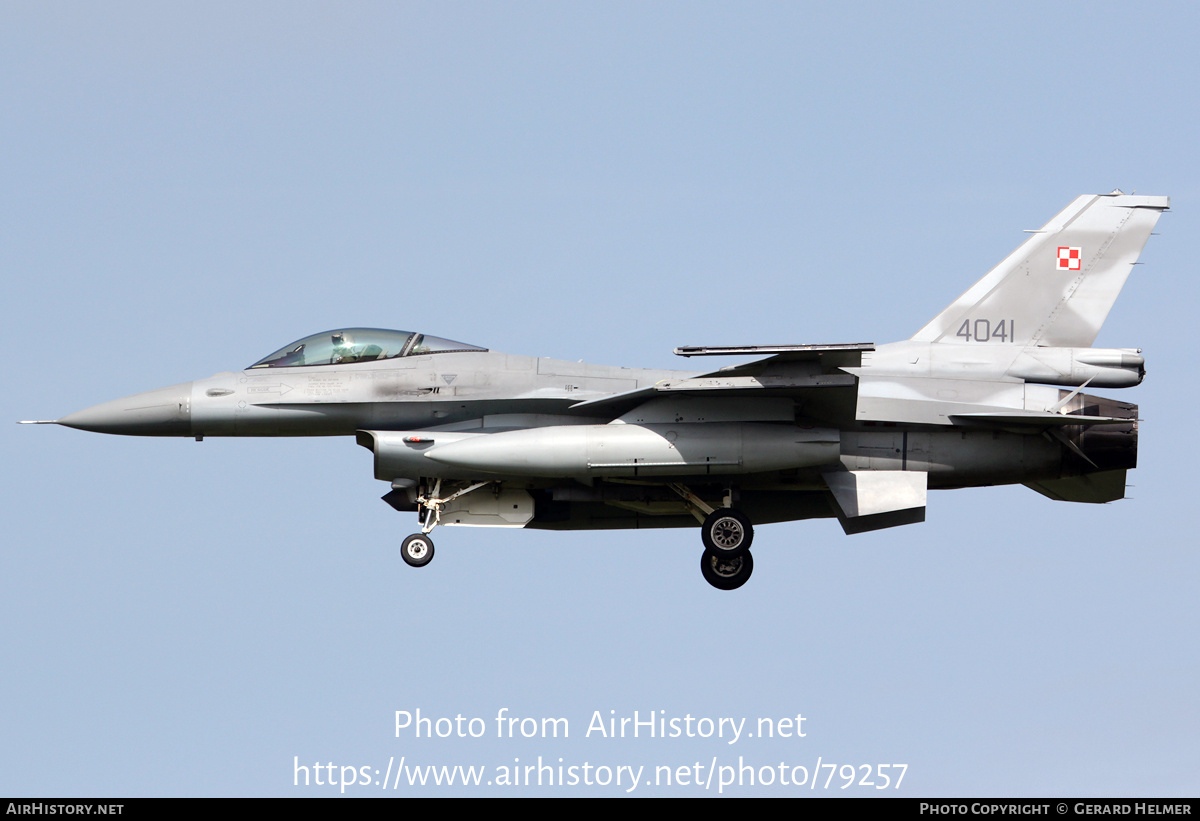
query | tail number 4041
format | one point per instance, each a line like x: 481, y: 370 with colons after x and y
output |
x: 982, y: 330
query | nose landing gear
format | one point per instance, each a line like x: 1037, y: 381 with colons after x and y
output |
x: 417, y: 549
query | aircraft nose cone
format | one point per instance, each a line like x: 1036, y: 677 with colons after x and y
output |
x: 162, y: 412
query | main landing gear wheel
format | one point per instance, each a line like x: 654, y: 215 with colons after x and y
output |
x: 727, y: 532
x: 417, y: 550
x: 726, y: 572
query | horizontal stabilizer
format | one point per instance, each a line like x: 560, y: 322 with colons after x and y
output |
x: 970, y: 402
x: 1039, y: 418
x: 875, y: 499
x: 1093, y: 488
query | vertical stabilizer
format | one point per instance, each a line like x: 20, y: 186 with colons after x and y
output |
x: 1056, y: 289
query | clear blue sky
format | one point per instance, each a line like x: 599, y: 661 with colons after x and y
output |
x: 187, y: 187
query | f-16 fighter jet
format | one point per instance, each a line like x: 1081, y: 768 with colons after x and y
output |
x: 989, y: 392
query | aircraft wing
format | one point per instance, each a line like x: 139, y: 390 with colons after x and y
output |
x: 807, y: 373
x: 792, y: 371
x: 794, y: 352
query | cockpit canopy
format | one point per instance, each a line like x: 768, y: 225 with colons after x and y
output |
x: 347, y: 345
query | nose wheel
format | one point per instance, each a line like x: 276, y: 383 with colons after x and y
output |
x: 417, y: 550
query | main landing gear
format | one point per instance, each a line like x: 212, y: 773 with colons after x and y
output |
x: 417, y: 549
x: 727, y: 533
x: 725, y: 573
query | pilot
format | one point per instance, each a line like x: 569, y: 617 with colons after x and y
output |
x: 343, y: 350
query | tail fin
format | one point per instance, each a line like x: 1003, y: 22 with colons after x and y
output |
x: 1058, y: 287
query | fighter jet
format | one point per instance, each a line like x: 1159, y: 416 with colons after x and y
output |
x: 988, y: 392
